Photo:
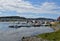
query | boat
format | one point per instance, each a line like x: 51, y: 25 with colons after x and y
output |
x: 14, y: 26
x: 20, y: 25
x: 23, y: 25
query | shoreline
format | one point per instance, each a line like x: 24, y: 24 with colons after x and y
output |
x: 35, y: 38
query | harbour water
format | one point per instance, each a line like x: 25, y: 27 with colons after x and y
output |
x: 13, y: 34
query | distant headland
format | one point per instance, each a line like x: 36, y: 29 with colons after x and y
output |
x: 18, y: 18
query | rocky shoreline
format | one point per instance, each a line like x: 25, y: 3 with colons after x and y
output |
x: 34, y: 38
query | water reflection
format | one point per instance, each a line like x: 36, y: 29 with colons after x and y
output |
x: 12, y: 34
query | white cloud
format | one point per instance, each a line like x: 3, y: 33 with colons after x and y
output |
x: 25, y: 7
x: 16, y: 5
x: 49, y: 8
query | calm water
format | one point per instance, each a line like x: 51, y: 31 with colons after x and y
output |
x: 12, y: 34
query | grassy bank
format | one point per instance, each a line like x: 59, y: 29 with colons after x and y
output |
x: 54, y: 36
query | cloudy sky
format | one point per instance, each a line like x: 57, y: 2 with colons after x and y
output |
x: 30, y: 8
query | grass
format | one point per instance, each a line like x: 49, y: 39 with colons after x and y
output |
x: 54, y: 36
x: 56, y: 23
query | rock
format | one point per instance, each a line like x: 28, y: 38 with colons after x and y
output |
x: 33, y: 39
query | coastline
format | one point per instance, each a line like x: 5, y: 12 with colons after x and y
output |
x: 41, y: 37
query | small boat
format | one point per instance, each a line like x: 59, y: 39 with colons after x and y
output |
x: 14, y: 26
x: 20, y: 25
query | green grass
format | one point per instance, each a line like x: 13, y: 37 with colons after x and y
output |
x: 54, y: 36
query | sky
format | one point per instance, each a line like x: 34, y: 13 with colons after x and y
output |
x: 30, y: 8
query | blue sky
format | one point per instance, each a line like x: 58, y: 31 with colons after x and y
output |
x: 42, y: 1
x: 30, y: 8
